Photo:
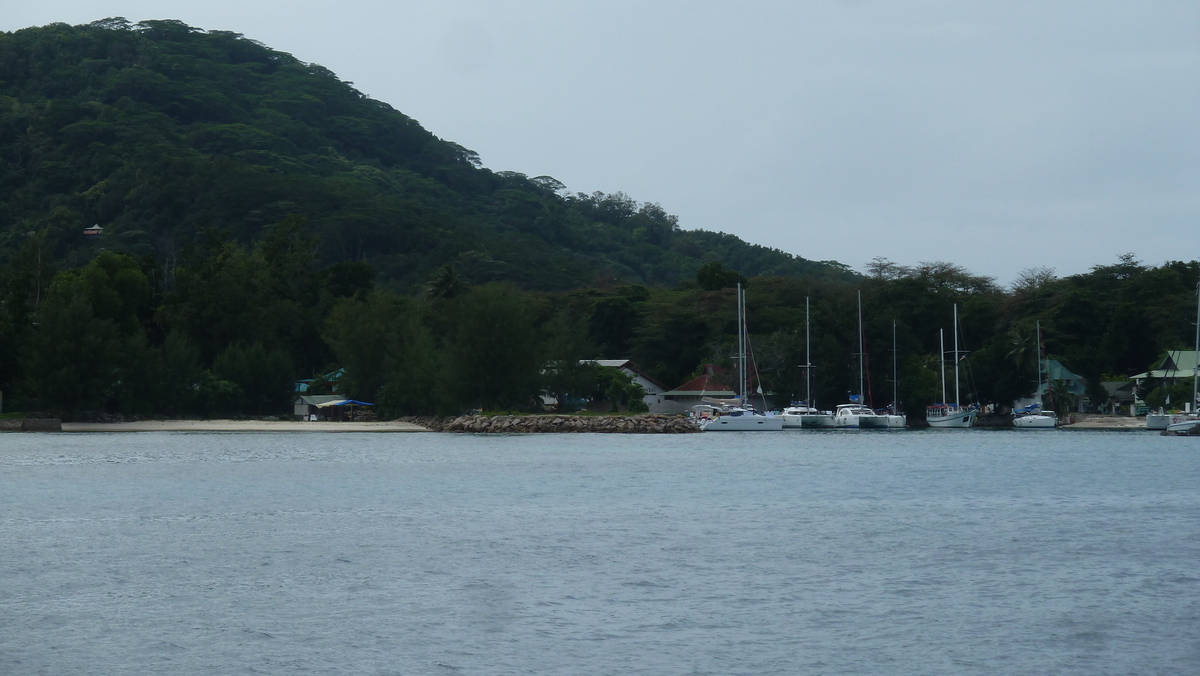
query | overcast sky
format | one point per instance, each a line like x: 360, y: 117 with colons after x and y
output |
x: 996, y: 135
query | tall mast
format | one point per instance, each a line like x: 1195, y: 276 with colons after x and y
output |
x: 807, y: 359
x: 741, y: 362
x: 860, y: 349
x: 942, y: 345
x: 956, y: 399
x: 895, y: 381
x: 1039, y: 362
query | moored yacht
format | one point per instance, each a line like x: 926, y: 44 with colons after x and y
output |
x: 804, y: 414
x: 857, y: 416
x: 945, y: 415
x: 1032, y: 417
x: 740, y: 417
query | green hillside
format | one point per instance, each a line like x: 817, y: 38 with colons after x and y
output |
x: 165, y: 134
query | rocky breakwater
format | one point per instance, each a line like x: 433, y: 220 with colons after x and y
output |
x: 30, y: 425
x: 527, y: 424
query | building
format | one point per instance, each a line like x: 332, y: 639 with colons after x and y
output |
x: 711, y: 383
x: 654, y: 389
x: 1075, y: 384
x: 307, y: 405
x: 1174, y: 364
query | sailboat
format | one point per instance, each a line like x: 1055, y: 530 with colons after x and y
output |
x: 806, y: 414
x: 856, y: 413
x: 1190, y: 422
x: 742, y: 417
x: 895, y: 419
x: 1035, y: 417
x: 946, y: 415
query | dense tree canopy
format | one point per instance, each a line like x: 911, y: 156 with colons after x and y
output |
x: 261, y: 220
x: 160, y: 133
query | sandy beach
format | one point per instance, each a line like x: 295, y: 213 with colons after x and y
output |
x: 1104, y: 422
x: 242, y: 426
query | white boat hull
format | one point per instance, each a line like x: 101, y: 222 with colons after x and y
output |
x: 873, y: 422
x: 895, y: 422
x: 1158, y: 421
x: 1035, y: 421
x: 820, y: 421
x: 1184, y: 426
x: 959, y: 420
x: 744, y: 423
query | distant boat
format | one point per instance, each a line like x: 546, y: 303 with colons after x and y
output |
x: 945, y: 415
x: 804, y: 414
x: 856, y: 413
x: 893, y: 418
x: 1033, y: 417
x: 741, y: 417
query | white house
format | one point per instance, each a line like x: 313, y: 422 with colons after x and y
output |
x: 654, y: 389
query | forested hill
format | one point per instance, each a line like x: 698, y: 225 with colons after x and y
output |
x: 164, y: 134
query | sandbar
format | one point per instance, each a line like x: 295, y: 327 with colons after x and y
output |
x: 242, y: 426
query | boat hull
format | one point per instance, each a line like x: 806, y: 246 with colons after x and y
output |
x: 818, y: 421
x: 744, y: 423
x: 1035, y: 422
x: 960, y: 420
x: 1189, y: 427
x: 873, y: 422
x: 1158, y: 421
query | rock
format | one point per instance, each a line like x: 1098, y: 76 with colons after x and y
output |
x: 535, y: 424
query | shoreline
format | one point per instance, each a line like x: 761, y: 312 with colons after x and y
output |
x: 242, y: 426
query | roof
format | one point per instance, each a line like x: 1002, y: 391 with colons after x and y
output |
x: 1174, y: 364
x: 317, y: 399
x: 707, y: 383
x: 628, y: 365
x: 1076, y: 384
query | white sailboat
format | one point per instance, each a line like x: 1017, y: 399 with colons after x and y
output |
x: 895, y: 419
x: 857, y: 414
x: 946, y: 415
x: 742, y: 417
x: 1037, y: 418
x: 807, y: 415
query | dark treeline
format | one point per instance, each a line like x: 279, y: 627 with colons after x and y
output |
x: 262, y: 221
x: 231, y: 327
x: 159, y: 132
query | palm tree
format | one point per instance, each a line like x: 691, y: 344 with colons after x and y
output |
x: 446, y: 283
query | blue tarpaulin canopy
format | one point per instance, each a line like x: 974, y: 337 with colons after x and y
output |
x: 344, y: 402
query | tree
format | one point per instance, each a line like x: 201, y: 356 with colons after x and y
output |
x: 714, y: 276
x: 492, y: 359
x: 265, y: 376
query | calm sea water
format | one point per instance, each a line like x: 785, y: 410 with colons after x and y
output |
x: 947, y: 552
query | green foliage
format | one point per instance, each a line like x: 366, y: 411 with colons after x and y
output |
x: 713, y: 276
x: 492, y: 360
x: 1171, y: 396
x: 159, y: 132
x: 264, y: 377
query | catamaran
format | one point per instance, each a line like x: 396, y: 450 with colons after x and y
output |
x: 742, y: 417
x: 806, y: 414
x: 856, y: 413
